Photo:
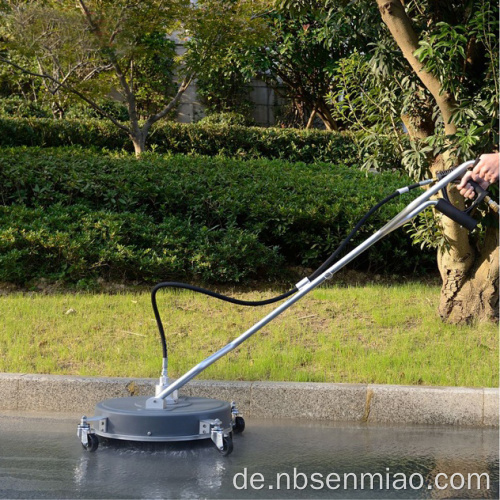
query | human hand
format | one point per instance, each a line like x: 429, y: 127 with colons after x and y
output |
x: 465, y: 188
x: 484, y: 173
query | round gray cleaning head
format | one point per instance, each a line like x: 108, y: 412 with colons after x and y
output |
x: 186, y: 420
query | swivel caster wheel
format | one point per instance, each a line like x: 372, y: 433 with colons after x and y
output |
x: 239, y: 425
x: 227, y: 445
x: 92, y: 443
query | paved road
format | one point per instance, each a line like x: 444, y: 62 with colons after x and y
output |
x: 40, y: 457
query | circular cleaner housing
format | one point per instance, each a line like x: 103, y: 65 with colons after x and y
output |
x: 188, y: 419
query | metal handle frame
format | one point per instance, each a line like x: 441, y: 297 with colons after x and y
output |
x: 408, y: 213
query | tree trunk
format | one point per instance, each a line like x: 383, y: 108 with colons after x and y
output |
x: 311, y: 119
x: 326, y: 117
x: 470, y: 289
x: 139, y: 141
x: 470, y: 276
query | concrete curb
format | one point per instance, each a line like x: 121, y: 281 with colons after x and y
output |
x: 388, y: 404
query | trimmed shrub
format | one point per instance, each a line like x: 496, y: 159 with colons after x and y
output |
x: 69, y: 211
x: 73, y: 243
x: 52, y: 133
x: 209, y: 139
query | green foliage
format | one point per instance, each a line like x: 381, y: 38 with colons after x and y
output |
x: 73, y: 243
x: 297, y: 64
x: 416, y: 158
x: 15, y: 106
x: 427, y: 234
x: 87, y: 50
x: 368, y: 99
x: 80, y: 111
x: 224, y: 91
x: 228, y: 118
x: 462, y: 50
x: 14, y: 84
x: 222, y: 34
x: 200, y: 138
x: 310, y: 40
x: 220, y: 52
x: 153, y: 72
x: 374, y: 90
x: 50, y: 132
x: 70, y: 214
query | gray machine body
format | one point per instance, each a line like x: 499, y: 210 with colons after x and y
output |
x: 186, y: 420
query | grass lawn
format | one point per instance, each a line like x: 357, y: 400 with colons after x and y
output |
x: 366, y: 334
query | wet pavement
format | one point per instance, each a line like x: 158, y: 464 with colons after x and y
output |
x: 41, y: 457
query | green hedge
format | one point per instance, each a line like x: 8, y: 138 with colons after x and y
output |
x: 202, y: 139
x: 71, y: 213
x: 76, y: 243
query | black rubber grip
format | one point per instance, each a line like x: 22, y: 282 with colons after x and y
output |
x: 456, y: 215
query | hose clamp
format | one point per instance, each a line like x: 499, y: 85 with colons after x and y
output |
x: 302, y: 283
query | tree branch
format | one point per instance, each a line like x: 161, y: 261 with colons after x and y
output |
x: 132, y: 108
x: 69, y: 89
x: 394, y: 16
x: 94, y: 27
x: 183, y: 87
x: 96, y: 71
x: 68, y: 74
x: 117, y: 29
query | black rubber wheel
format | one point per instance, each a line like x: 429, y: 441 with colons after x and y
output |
x: 239, y: 425
x: 228, y: 446
x: 92, y: 443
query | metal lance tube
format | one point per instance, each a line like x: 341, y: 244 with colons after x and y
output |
x: 410, y: 211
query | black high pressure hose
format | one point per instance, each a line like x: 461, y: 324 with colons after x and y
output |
x: 328, y: 262
x: 186, y: 286
x: 251, y: 303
